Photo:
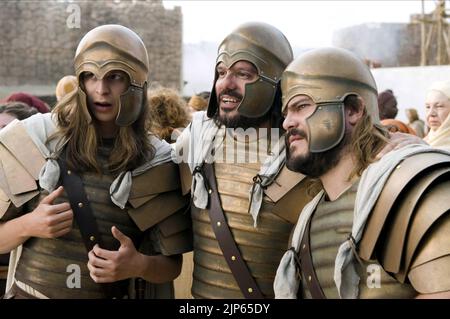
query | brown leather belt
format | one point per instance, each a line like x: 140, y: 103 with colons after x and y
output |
x: 307, y: 266
x: 238, y: 267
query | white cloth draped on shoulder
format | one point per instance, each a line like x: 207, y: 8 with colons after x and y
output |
x: 370, y: 186
x: 196, y: 145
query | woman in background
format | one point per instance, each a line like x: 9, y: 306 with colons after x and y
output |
x: 437, y: 109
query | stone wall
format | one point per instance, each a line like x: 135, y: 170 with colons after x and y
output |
x: 39, y: 38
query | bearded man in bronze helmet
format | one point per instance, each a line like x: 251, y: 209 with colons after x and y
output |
x: 381, y: 227
x: 91, y: 202
x: 244, y: 201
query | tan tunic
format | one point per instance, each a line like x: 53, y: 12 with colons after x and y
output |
x: 330, y: 226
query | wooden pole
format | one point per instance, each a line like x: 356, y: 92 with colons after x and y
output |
x: 439, y: 33
x: 423, y: 52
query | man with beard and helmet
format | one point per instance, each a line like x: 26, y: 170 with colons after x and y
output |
x: 244, y: 201
x: 380, y: 228
x: 91, y: 199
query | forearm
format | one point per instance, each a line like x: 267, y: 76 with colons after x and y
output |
x: 13, y: 233
x: 159, y: 269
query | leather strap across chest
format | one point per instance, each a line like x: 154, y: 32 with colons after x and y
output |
x: 231, y: 253
x: 73, y: 185
x: 307, y: 266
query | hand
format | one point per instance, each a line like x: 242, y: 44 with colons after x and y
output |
x: 110, y: 266
x: 50, y: 220
x: 397, y: 141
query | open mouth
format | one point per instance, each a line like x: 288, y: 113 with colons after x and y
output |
x: 229, y: 102
x: 102, y: 106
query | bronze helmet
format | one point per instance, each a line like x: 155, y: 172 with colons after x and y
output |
x: 328, y: 76
x: 115, y: 47
x: 269, y: 51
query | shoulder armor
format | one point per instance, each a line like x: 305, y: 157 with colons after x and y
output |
x: 433, y: 205
x: 157, y: 180
x: 284, y: 182
x: 433, y: 257
x: 413, y: 198
x: 186, y: 178
x: 175, y: 236
x: 291, y: 192
x: 21, y: 162
x: 155, y: 195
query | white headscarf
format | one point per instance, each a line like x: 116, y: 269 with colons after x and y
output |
x: 440, y: 138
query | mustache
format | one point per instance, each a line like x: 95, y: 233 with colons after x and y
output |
x: 295, y: 132
x: 232, y: 93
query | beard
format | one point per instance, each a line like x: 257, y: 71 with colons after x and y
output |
x: 314, y: 164
x: 239, y: 121
x: 236, y: 120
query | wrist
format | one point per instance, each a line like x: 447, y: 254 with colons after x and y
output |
x: 25, y: 230
x: 140, y: 264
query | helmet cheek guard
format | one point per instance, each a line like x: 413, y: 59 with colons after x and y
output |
x: 258, y: 98
x: 131, y: 105
x: 326, y: 127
